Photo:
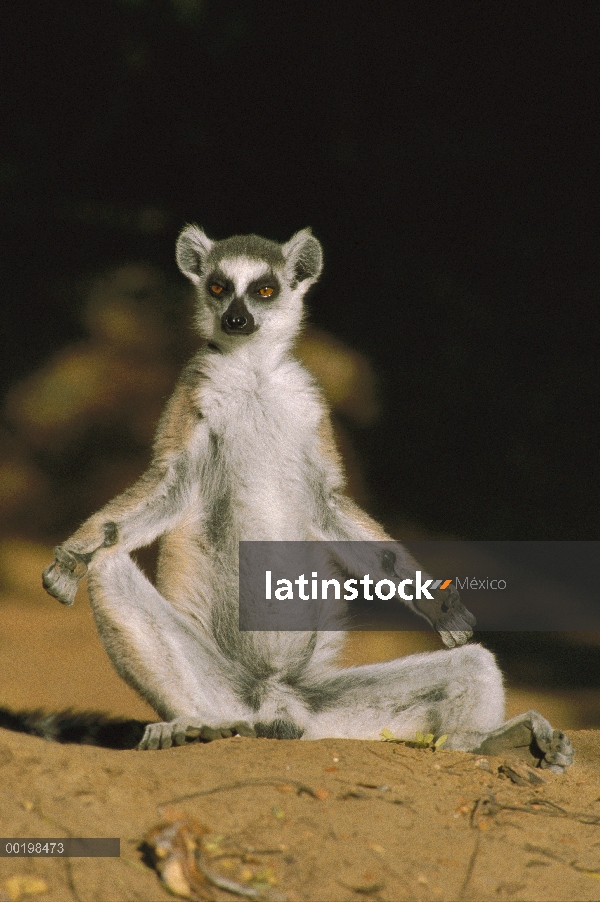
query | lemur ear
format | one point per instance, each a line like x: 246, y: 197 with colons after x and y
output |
x: 303, y: 257
x: 191, y: 251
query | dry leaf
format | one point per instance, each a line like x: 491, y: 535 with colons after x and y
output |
x: 174, y: 843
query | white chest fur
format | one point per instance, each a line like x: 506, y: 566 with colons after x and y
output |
x: 262, y: 418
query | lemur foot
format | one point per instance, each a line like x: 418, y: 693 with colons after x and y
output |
x: 531, y: 737
x: 177, y: 732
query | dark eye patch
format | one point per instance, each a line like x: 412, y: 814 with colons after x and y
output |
x: 267, y: 281
x: 217, y: 278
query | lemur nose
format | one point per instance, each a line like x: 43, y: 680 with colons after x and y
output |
x: 236, y: 322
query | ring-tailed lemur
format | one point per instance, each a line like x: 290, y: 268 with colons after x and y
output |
x: 244, y: 451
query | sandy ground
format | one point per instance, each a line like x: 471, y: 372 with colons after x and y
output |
x: 323, y: 820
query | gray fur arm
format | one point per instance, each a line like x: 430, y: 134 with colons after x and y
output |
x: 346, y: 522
x: 134, y: 519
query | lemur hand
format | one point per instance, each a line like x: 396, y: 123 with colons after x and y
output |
x: 448, y: 616
x: 61, y: 578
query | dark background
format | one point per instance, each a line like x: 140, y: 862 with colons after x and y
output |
x: 446, y: 156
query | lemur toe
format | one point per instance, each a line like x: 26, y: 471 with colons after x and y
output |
x: 151, y: 740
x: 558, y: 754
x: 243, y: 728
x: 179, y: 732
x: 208, y: 734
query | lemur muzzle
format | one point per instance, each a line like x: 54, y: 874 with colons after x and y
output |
x: 237, y: 319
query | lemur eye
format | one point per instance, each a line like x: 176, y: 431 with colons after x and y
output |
x: 216, y: 289
x: 266, y: 291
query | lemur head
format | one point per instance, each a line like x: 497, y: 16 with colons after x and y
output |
x: 248, y: 286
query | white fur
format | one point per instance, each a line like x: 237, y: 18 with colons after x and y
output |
x: 242, y: 271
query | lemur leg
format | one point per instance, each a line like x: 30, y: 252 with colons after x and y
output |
x: 164, y: 655
x: 458, y: 693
